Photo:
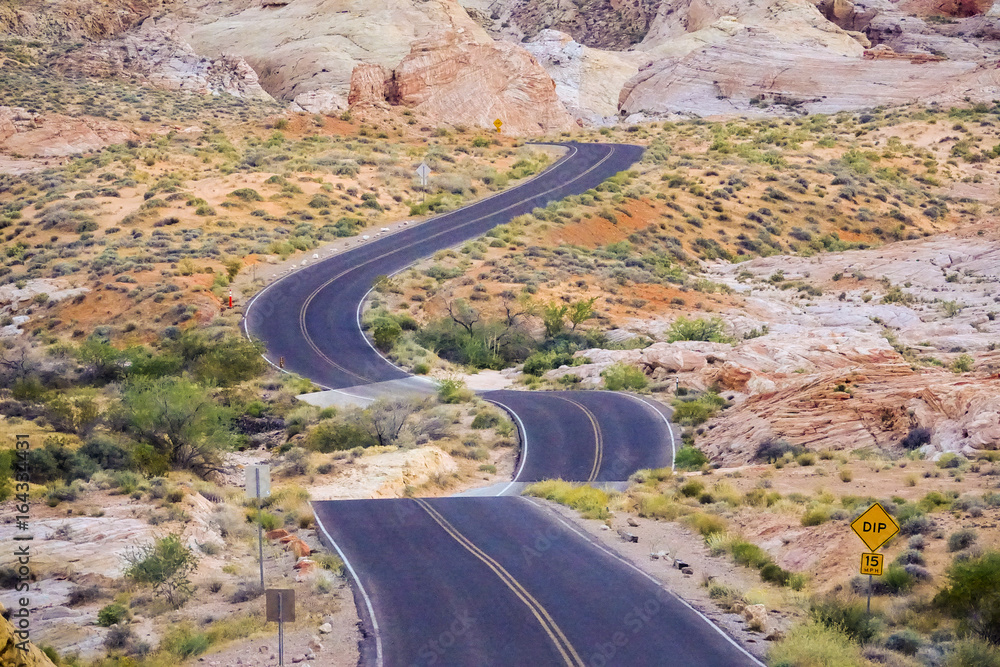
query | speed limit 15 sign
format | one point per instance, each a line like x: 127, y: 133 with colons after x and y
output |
x: 871, y: 564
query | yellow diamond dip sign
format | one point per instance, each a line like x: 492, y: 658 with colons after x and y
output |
x: 875, y: 527
x: 498, y: 123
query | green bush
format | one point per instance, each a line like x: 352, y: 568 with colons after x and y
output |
x: 973, y: 652
x: 711, y: 329
x: 692, y: 410
x: 590, y: 502
x: 962, y: 539
x: 246, y: 194
x: 386, y: 331
x: 111, y: 614
x: 815, y: 516
x: 165, y: 565
x: 815, y: 645
x: 749, y: 554
x: 453, y: 391
x: 692, y: 488
x: 847, y: 615
x: 973, y: 595
x: 690, y: 458
x: 897, y: 580
x: 620, y: 377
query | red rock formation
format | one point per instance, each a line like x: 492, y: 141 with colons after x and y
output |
x: 56, y: 135
x: 369, y: 85
x: 474, y: 83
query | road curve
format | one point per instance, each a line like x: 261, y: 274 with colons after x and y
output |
x: 600, y: 436
x: 310, y: 317
x: 489, y: 581
x: 498, y: 581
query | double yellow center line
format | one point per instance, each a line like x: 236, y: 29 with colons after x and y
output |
x: 302, y: 311
x: 562, y: 644
x: 598, y: 438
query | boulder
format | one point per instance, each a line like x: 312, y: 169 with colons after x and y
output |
x: 12, y: 650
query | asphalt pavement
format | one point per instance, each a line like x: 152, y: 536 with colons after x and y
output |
x: 488, y: 580
x: 311, y: 318
x: 498, y: 581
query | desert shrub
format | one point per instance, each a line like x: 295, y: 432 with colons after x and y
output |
x: 336, y: 435
x: 706, y: 524
x: 972, y: 652
x: 590, y: 502
x: 815, y: 645
x: 246, y: 591
x: 815, y: 516
x: 962, y: 539
x: 692, y: 410
x: 660, y: 507
x: 165, y: 565
x: 111, y: 614
x: 246, y: 194
x: 897, y: 580
x: 774, y: 574
x: 621, y: 377
x: 749, y: 554
x: 692, y: 488
x: 690, y: 458
x: 848, y: 615
x: 905, y: 641
x: 484, y: 420
x: 711, y: 329
x: 453, y: 391
x: 118, y: 637
x: 386, y: 331
x: 973, y: 595
x: 773, y: 450
x: 917, y: 437
x: 185, y: 642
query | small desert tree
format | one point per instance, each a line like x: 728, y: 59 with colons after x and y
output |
x: 179, y: 419
x: 581, y: 311
x: 165, y: 565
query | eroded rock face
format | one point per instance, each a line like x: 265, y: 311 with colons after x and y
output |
x: 158, y: 58
x: 747, y: 74
x: 13, y: 656
x: 74, y: 19
x: 588, y: 80
x: 56, y: 135
x: 460, y: 81
x: 604, y: 24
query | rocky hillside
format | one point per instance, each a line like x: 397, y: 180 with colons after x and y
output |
x: 538, y: 65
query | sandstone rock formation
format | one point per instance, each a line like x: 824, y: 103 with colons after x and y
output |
x: 305, y: 51
x: 749, y: 73
x: 69, y: 20
x: 588, y: 80
x: 461, y: 81
x: 605, y: 24
x: 55, y: 135
x: 13, y: 656
x: 156, y: 57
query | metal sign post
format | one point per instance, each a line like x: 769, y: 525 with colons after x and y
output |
x: 423, y: 171
x: 875, y: 527
x: 259, y: 485
x: 280, y: 607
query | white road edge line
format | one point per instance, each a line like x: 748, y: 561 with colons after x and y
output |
x: 670, y: 430
x: 361, y: 587
x: 399, y: 228
x: 645, y: 574
x: 524, y: 443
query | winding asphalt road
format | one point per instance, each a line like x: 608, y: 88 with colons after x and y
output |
x: 489, y: 581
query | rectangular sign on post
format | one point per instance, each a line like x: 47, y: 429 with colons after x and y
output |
x: 264, y: 481
x: 280, y: 604
x: 871, y: 564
